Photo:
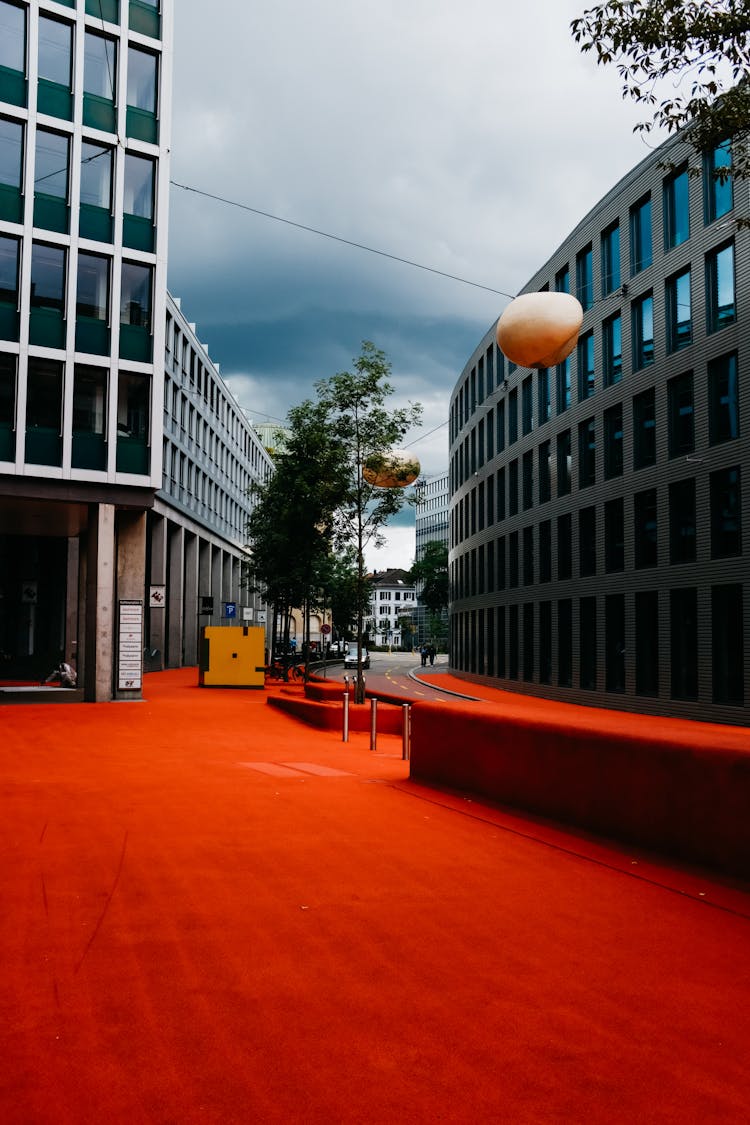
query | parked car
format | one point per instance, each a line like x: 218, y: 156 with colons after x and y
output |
x: 338, y: 648
x: 350, y: 660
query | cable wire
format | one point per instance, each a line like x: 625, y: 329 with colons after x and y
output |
x: 338, y: 238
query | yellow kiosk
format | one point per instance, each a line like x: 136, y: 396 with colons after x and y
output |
x: 232, y: 656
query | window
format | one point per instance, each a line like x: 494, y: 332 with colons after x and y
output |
x: 587, y: 643
x: 500, y: 495
x: 612, y: 335
x: 44, y: 399
x: 586, y: 366
x: 12, y: 54
x: 564, y: 546
x: 610, y: 259
x: 613, y: 458
x: 563, y: 386
x: 545, y: 642
x: 99, y: 81
x: 679, y: 313
x: 565, y: 642
x: 528, y: 642
x: 643, y: 331
x: 46, y: 324
x: 563, y: 463
x: 133, y: 397
x: 586, y: 453
x: 544, y: 472
x: 513, y: 488
x: 640, y: 235
x: 723, y: 399
x: 9, y: 296
x: 545, y: 551
x: 528, y: 556
x: 676, y: 209
x: 645, y: 528
x: 55, y: 67
x: 647, y: 642
x: 644, y: 429
x: 562, y: 280
x: 500, y: 427
x: 501, y: 576
x: 513, y: 416
x: 144, y: 17
x: 513, y: 559
x: 720, y: 288
x: 587, y: 542
x: 95, y: 215
x: 11, y: 170
x: 142, y: 95
x: 727, y: 645
x: 544, y: 410
x: 527, y: 480
x: 585, y: 277
x: 513, y: 642
x: 138, y: 204
x: 527, y: 406
x: 614, y: 535
x: 51, y: 181
x: 726, y: 523
x: 614, y: 643
x: 683, y: 628
x: 681, y: 415
x: 8, y: 364
x: 717, y: 182
x: 682, y: 521
x: 92, y: 304
x: 135, y: 311
x: 89, y: 449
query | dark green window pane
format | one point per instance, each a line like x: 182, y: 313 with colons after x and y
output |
x: 95, y: 223
x: 89, y: 418
x: 108, y: 10
x: 144, y: 18
x: 54, y: 99
x: 44, y: 412
x: 142, y: 125
x: 11, y: 170
x: 7, y: 407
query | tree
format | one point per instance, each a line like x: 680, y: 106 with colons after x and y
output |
x: 431, y: 572
x: 362, y: 424
x: 291, y: 527
x: 700, y: 51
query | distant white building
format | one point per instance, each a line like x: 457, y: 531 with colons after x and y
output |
x: 393, y: 598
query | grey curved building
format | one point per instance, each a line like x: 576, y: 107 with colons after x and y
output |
x: 597, y: 509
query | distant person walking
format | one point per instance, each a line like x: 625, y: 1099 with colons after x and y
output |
x: 423, y: 654
x: 432, y: 652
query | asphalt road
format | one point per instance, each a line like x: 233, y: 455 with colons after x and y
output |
x: 389, y: 673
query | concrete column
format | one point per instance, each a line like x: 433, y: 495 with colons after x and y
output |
x: 191, y: 600
x: 175, y: 596
x: 100, y: 604
x: 71, y: 602
x: 158, y: 576
x: 131, y: 570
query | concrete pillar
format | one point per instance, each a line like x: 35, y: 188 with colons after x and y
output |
x: 191, y: 601
x: 175, y: 596
x: 100, y: 604
x: 131, y: 571
x: 71, y: 602
x: 158, y: 577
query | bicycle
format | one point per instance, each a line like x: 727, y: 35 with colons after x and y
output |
x: 292, y: 673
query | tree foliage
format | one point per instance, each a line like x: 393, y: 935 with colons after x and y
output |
x: 431, y: 571
x: 688, y: 61
x: 362, y: 425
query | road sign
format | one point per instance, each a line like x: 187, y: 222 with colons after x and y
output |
x: 325, y: 630
x: 230, y: 609
x: 207, y: 604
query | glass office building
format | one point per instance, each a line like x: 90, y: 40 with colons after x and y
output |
x: 597, y: 508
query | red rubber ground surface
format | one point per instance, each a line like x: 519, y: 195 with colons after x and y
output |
x: 211, y: 913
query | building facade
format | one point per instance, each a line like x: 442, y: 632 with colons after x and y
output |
x: 84, y: 183
x: 432, y: 526
x: 213, y: 459
x: 597, y: 509
x: 392, y: 599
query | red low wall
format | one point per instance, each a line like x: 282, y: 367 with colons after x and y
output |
x: 327, y: 714
x: 671, y: 786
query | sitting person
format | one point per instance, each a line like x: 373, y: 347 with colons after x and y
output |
x: 63, y: 675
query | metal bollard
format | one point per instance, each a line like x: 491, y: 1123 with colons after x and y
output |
x: 346, y: 717
x: 406, y: 734
x: 373, y: 724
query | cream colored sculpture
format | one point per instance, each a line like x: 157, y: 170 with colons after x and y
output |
x: 395, y: 469
x: 539, y: 329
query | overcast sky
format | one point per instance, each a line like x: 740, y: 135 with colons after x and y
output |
x: 469, y: 137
